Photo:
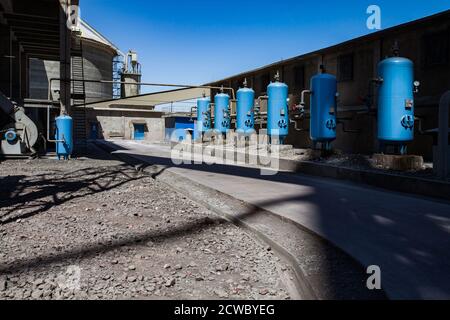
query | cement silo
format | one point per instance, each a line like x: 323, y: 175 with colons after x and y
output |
x: 98, y: 54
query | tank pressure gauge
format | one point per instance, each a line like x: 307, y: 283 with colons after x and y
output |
x: 416, y: 86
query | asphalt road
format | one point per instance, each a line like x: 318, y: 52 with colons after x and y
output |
x: 408, y: 237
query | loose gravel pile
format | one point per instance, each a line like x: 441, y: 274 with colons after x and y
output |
x: 98, y: 229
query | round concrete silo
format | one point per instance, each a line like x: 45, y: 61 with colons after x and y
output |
x: 98, y: 56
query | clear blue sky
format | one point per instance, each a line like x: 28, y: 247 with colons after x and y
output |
x: 195, y: 42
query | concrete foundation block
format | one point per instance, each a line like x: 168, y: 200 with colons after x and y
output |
x: 282, y: 150
x: 399, y: 163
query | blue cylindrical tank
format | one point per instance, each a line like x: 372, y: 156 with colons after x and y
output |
x: 323, y: 108
x: 64, y: 134
x: 245, y: 119
x: 396, y: 101
x: 203, y: 115
x: 277, y: 110
x: 222, y: 120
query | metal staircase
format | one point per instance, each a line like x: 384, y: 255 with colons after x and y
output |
x: 78, y: 95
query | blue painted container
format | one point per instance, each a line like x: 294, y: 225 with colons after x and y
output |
x: 323, y: 108
x: 222, y: 118
x: 203, y: 115
x: 396, y: 101
x: 245, y: 118
x: 278, y: 111
x: 177, y: 128
x: 64, y: 134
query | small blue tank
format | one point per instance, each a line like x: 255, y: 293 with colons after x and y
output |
x: 323, y: 109
x: 203, y: 115
x: 64, y: 133
x: 396, y: 101
x: 222, y: 119
x: 278, y: 111
x: 245, y: 119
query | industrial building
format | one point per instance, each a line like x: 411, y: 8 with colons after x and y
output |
x: 102, y: 107
x: 158, y: 219
x: 38, y: 41
x: 426, y: 42
x: 45, y: 62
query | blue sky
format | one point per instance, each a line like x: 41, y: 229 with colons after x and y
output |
x: 195, y: 42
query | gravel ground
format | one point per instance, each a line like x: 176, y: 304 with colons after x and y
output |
x: 364, y: 162
x: 360, y: 162
x: 97, y: 229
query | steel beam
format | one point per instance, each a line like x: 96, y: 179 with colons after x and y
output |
x: 65, y: 38
x: 443, y: 154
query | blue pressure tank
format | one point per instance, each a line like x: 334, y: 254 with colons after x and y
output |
x: 203, y: 115
x: 277, y: 111
x: 245, y: 119
x: 323, y: 109
x: 222, y: 117
x: 64, y: 136
x: 396, y: 101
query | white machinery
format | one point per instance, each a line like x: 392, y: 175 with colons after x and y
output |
x: 20, y: 135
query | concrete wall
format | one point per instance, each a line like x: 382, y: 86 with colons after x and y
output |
x: 421, y: 42
x: 119, y: 124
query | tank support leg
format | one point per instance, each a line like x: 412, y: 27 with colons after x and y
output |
x: 326, y: 146
x: 403, y: 149
x: 382, y: 147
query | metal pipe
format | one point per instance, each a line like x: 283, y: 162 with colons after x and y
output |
x: 147, y: 84
x: 304, y: 92
x: 296, y: 128
x: 420, y: 127
x: 443, y: 154
x: 193, y: 111
x: 348, y: 130
x: 48, y: 129
x: 258, y: 112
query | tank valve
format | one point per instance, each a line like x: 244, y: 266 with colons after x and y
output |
x: 300, y: 109
x: 416, y: 86
x: 277, y: 76
x: 378, y: 80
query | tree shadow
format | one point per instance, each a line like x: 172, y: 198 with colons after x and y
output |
x: 27, y: 196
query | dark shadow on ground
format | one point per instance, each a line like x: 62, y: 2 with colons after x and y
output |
x: 26, y: 197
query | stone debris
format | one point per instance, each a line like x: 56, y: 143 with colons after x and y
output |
x: 110, y: 235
